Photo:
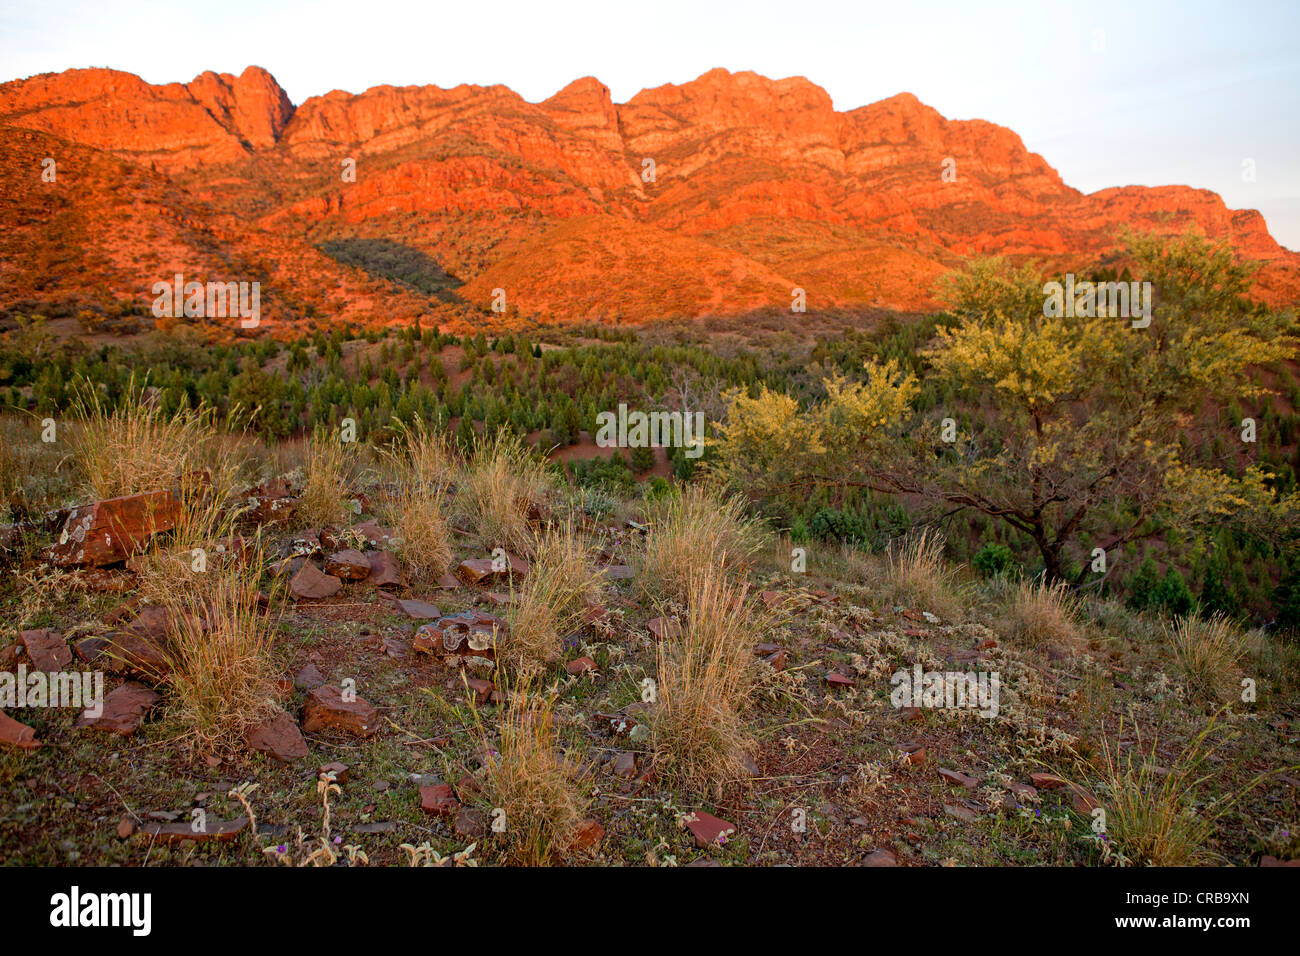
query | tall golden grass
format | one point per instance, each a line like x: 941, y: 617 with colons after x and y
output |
x: 498, y: 486
x: 417, y: 510
x: 691, y: 535
x: 705, y: 681
x: 917, y: 575
x: 325, y: 482
x: 223, y: 674
x: 552, y: 600
x: 527, y: 778
x: 1039, y: 614
x: 1207, y: 651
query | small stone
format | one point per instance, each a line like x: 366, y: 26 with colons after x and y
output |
x: 957, y: 778
x: 625, y: 764
x: 839, y: 680
x: 125, y: 828
x: 47, y: 649
x: 309, y: 678
x: 326, y: 710
x: 664, y: 628
x: 580, y: 666
x: 15, y: 734
x: 620, y: 572
x: 348, y: 564
x: 311, y: 583
x: 880, y: 858
x: 588, y: 835
x: 469, y: 823
x: 1046, y: 781
x: 708, y: 829
x: 125, y: 708
x: 385, y: 571
x: 439, y: 800
x: 280, y: 738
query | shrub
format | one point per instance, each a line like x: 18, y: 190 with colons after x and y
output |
x: 1041, y: 614
x: 993, y: 559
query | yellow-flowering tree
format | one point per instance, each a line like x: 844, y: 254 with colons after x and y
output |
x: 1071, y: 418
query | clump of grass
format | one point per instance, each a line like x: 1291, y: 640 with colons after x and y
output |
x: 1151, y: 817
x: 1039, y: 614
x: 500, y: 485
x: 706, y: 676
x: 417, y: 511
x: 134, y: 447
x: 1207, y: 651
x: 527, y: 778
x: 692, y: 534
x: 325, y: 483
x: 551, y: 602
x: 32, y: 480
x: 917, y: 575
x: 222, y: 671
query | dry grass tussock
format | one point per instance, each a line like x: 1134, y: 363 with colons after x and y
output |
x: 692, y: 535
x: 528, y: 778
x: 917, y: 575
x: 222, y: 670
x: 705, y: 681
x: 550, y: 604
x: 1039, y: 614
x: 417, y: 511
x: 1207, y: 651
x: 498, y: 488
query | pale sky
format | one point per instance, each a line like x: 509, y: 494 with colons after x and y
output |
x: 1110, y: 92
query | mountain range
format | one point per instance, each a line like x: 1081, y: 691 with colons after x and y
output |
x: 720, y: 196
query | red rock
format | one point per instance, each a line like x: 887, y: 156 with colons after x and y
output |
x: 223, y: 831
x: 709, y: 830
x: 113, y: 529
x: 1083, y: 801
x: 664, y: 628
x: 326, y: 710
x: 47, y: 649
x: 1046, y: 781
x: 469, y: 823
x: 483, y: 573
x: 625, y: 764
x: 125, y: 708
x: 1274, y: 861
x: 439, y: 800
x: 418, y: 610
x: 140, y: 656
x: 957, y: 778
x: 772, y: 599
x: 125, y: 828
x: 914, y: 754
x: 482, y: 689
x: 385, y: 572
x: 311, y: 582
x: 839, y: 680
x: 348, y: 565
x: 580, y: 666
x: 15, y: 734
x: 279, y: 737
x: 880, y: 858
x: 377, y: 535
x: 308, y: 678
x: 777, y: 659
x: 341, y: 771
x: 588, y: 836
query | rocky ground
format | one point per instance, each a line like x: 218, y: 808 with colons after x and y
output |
x: 391, y: 695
